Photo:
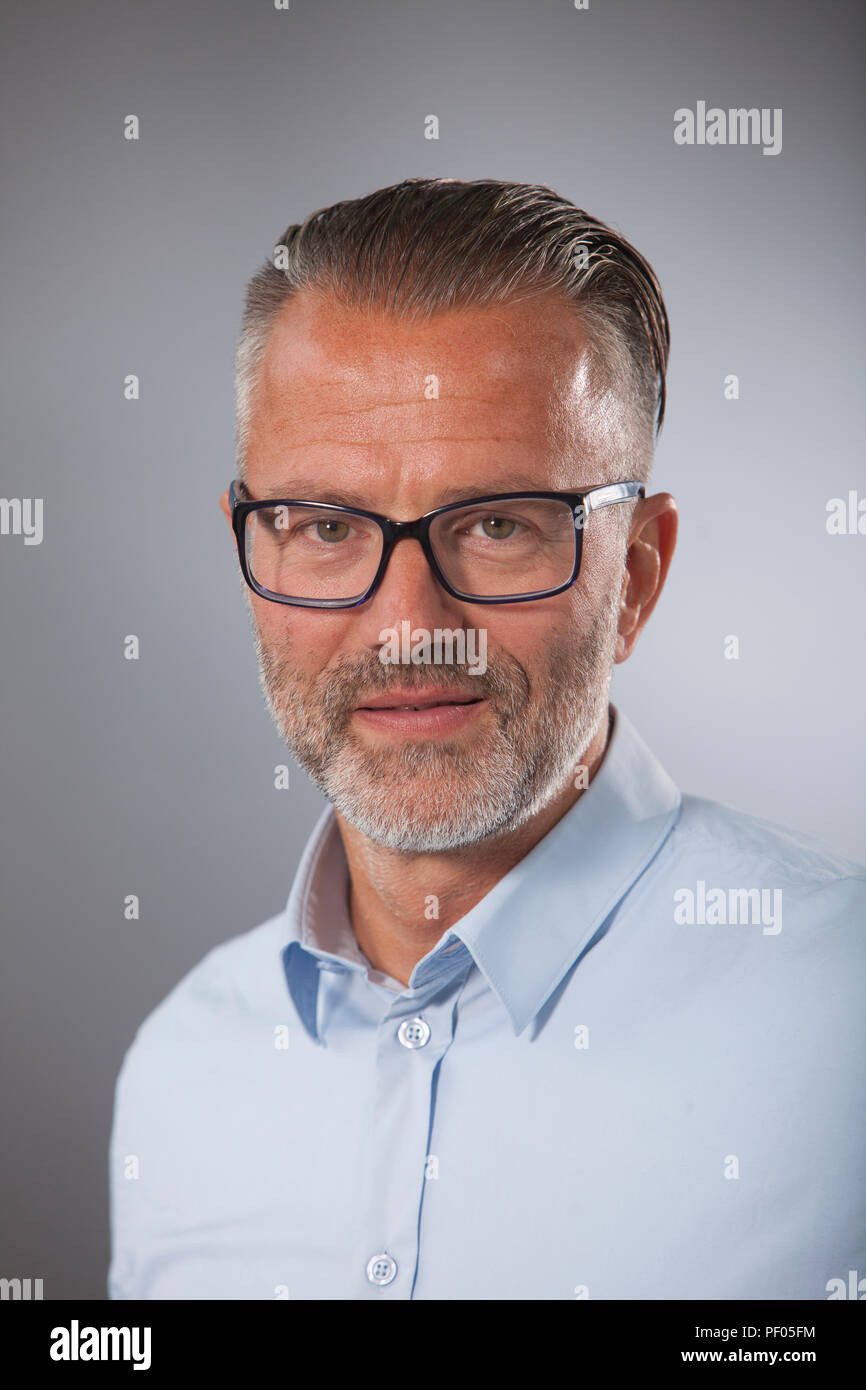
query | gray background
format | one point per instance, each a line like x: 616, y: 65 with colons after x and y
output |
x: 156, y: 777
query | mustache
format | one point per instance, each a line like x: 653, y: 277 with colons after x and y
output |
x: 349, y: 682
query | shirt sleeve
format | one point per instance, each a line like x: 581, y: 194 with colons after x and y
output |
x: 122, y: 1167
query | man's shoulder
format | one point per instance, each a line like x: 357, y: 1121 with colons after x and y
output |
x: 774, y: 913
x: 726, y: 867
x: 733, y: 839
x: 238, y: 981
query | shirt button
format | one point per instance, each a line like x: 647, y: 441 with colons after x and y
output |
x: 414, y: 1032
x: 381, y: 1269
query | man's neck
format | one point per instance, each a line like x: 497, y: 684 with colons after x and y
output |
x: 401, y: 904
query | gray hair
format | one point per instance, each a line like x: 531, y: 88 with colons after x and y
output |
x: 427, y: 245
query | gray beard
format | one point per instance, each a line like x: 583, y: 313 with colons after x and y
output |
x: 426, y: 798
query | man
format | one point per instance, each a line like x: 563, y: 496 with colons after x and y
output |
x: 533, y: 1025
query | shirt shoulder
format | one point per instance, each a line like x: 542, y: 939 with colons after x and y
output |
x: 237, y: 981
x: 728, y: 837
x: 747, y: 882
x: 172, y: 1085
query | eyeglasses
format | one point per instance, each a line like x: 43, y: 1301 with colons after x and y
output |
x: 508, y: 547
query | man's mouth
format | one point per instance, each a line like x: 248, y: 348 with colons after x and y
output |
x: 414, y: 700
x: 428, y: 712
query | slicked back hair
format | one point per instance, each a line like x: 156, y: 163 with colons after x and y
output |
x: 427, y: 245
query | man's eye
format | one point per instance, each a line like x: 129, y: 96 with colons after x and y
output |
x: 330, y: 530
x: 494, y: 528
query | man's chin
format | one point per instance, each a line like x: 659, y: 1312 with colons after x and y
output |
x: 428, y: 815
x: 419, y: 811
x: 417, y: 835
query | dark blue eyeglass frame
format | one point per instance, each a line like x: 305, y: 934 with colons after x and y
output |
x: 582, y: 503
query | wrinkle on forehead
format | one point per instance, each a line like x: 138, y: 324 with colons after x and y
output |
x: 519, y: 374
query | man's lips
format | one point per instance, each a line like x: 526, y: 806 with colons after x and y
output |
x: 419, y: 699
x: 422, y: 713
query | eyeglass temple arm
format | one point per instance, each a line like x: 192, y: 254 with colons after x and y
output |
x: 610, y: 493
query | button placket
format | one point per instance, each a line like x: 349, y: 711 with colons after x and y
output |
x: 412, y: 1038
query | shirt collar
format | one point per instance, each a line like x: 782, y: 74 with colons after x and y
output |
x: 532, y: 926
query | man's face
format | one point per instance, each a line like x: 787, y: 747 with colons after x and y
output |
x: 345, y: 404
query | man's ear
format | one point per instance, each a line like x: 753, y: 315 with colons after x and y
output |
x: 224, y: 504
x: 651, y: 543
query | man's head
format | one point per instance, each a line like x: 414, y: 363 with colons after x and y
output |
x: 434, y: 341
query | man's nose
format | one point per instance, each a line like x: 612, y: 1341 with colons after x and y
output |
x: 409, y: 591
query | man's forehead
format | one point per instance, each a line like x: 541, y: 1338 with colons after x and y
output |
x: 329, y: 366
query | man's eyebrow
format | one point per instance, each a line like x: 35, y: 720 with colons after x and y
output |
x: 309, y: 490
x: 512, y: 482
x: 305, y: 490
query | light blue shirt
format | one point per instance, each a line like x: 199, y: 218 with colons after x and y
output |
x: 632, y: 1070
